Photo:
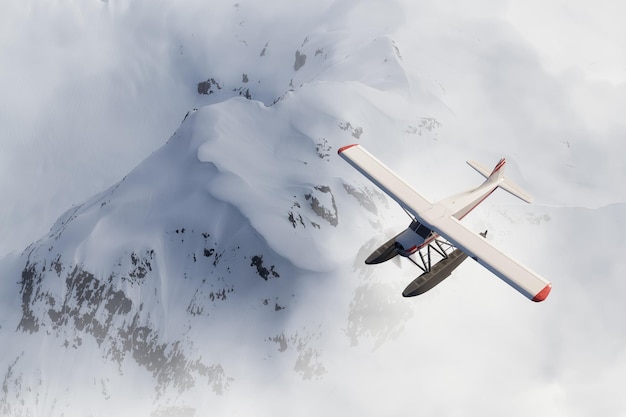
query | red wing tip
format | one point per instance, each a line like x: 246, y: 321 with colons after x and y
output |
x: 543, y: 294
x: 343, y: 148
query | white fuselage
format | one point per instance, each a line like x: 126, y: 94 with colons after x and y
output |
x: 443, y: 218
x: 415, y: 236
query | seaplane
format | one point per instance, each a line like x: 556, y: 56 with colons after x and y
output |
x: 436, y: 241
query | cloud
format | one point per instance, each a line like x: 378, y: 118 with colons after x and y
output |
x: 506, y: 98
x: 575, y: 35
x: 91, y: 88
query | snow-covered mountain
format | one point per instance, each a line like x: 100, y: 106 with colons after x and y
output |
x: 224, y: 274
x: 203, y: 260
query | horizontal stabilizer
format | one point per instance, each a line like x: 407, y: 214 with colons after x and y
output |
x: 497, y: 175
x: 516, y: 190
x: 482, y: 170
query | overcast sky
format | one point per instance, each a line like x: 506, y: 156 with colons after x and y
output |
x: 89, y: 89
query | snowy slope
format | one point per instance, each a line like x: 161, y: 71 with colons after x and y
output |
x: 224, y: 274
x: 215, y: 244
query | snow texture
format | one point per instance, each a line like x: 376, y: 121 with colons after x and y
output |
x: 224, y: 273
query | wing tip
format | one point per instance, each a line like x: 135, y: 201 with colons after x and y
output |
x: 543, y: 294
x: 343, y: 148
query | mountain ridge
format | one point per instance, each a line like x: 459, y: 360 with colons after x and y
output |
x: 245, y: 203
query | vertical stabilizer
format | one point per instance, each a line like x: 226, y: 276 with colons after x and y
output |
x: 497, y: 175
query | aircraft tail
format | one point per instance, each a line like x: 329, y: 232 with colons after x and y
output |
x: 497, y: 176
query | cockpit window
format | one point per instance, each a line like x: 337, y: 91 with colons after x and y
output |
x: 420, y: 229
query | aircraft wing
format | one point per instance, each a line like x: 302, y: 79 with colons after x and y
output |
x: 518, y: 276
x: 368, y: 165
x: 512, y: 272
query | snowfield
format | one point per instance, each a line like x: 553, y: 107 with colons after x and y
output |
x: 220, y: 272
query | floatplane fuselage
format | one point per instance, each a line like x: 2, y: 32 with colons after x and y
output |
x: 435, y: 228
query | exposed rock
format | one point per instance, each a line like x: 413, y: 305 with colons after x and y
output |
x: 257, y: 261
x: 328, y: 214
x: 209, y: 86
x: 300, y: 61
x: 367, y: 197
x: 355, y: 131
x: 91, y: 306
x: 308, y: 358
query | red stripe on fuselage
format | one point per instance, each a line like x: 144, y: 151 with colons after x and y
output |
x: 476, y: 205
x: 426, y: 242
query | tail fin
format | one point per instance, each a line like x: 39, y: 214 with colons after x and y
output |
x: 497, y: 176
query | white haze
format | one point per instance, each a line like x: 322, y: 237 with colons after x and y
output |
x: 90, y: 89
